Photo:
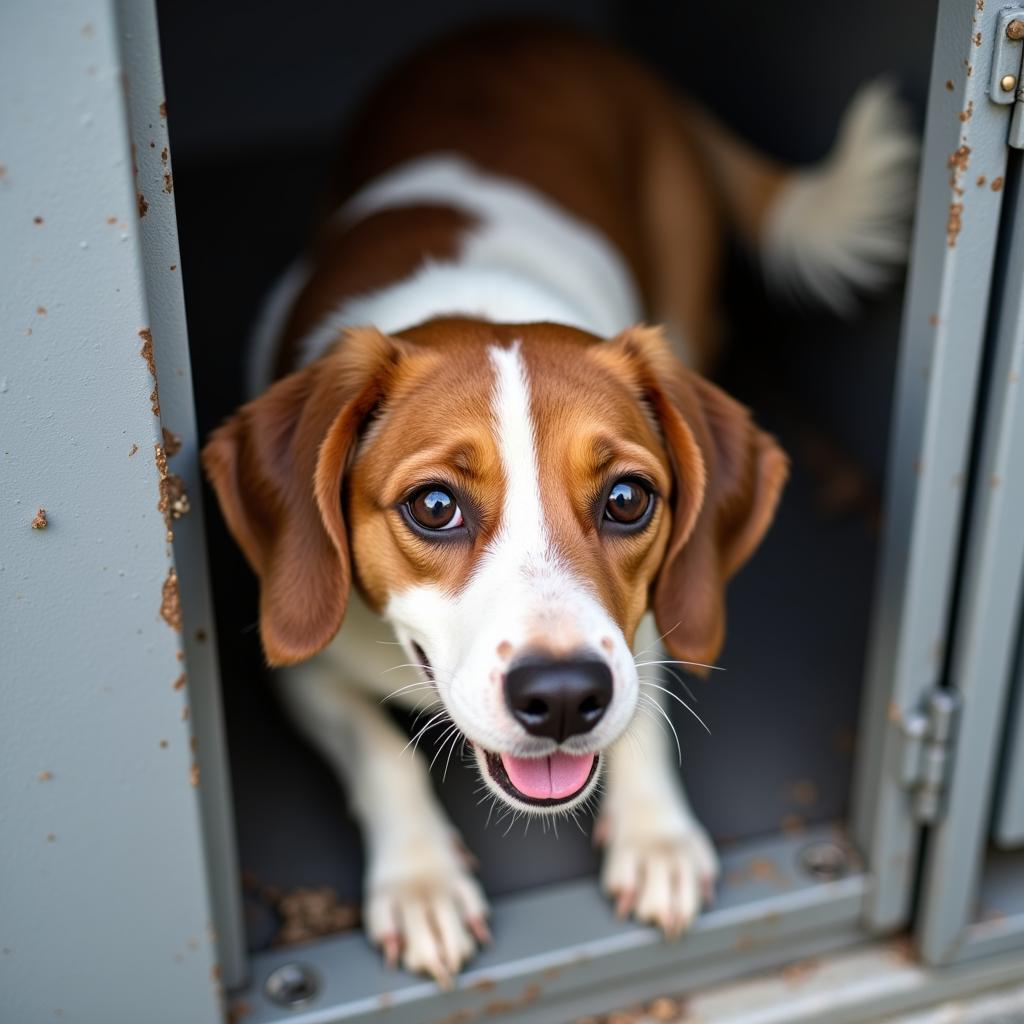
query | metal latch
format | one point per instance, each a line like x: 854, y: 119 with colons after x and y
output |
x: 927, y: 753
x: 1008, y: 69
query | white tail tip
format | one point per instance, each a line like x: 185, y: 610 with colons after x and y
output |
x: 844, y: 224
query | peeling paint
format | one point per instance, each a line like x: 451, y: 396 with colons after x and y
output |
x: 40, y: 522
x: 147, y: 353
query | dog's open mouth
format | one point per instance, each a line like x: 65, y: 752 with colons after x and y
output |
x: 543, y: 781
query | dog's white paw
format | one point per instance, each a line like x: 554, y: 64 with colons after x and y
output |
x: 429, y: 913
x: 662, y: 872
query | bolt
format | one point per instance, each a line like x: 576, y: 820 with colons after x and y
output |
x: 824, y: 861
x: 292, y: 985
x: 1015, y: 30
x: 1008, y: 83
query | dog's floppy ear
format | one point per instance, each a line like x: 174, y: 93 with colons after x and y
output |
x: 277, y: 467
x: 728, y: 478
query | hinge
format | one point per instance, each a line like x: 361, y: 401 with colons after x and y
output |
x: 927, y: 752
x: 1006, y: 86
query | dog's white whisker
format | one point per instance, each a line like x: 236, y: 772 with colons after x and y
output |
x: 676, y: 697
x: 640, y: 654
x: 676, y: 661
x: 441, y: 743
x: 661, y: 711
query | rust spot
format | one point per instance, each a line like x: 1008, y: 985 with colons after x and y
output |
x: 147, y: 353
x: 949, y: 85
x: 193, y: 744
x: 168, y: 183
x: 977, y: 39
x: 172, y: 443
x: 954, y: 223
x: 179, y: 683
x: 163, y: 155
x: 173, y: 502
x: 485, y: 984
x: 994, y: 481
x: 163, y: 108
x: 45, y: 776
x: 3, y: 171
x: 967, y: 112
x: 143, y: 205
x: 997, y: 184
x: 111, y: 220
x: 895, y: 713
x: 959, y: 159
x: 201, y: 636
x: 163, y: 744
x: 185, y: 712
x: 193, y: 775
x: 131, y: 451
x: 39, y: 521
x: 41, y: 310
x: 1015, y: 30
x: 934, y: 320
x: 981, y: 180
x: 980, y: 5
x: 170, y: 601
x: 174, y: 266
x: 308, y: 913
x: 51, y: 837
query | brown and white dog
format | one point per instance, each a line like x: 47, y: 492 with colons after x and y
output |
x: 471, y: 446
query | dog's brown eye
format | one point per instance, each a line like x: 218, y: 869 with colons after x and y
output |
x: 435, y: 508
x: 628, y: 501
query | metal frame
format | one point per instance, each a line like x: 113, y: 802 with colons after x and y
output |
x: 1008, y: 826
x: 118, y: 825
x: 986, y: 632
x: 963, y: 163
x: 561, y: 953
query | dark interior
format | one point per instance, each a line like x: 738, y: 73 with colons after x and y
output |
x: 257, y: 94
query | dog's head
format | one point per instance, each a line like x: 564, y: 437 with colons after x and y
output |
x: 512, y: 499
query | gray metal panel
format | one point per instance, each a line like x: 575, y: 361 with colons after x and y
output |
x: 985, y: 636
x: 561, y: 952
x: 998, y: 924
x: 1008, y: 824
x: 963, y: 163
x: 104, y: 904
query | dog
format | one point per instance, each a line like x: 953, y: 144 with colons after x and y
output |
x: 466, y: 440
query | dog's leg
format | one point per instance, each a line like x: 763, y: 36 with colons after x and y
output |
x: 659, y: 863
x: 421, y: 904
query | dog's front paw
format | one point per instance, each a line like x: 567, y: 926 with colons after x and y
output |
x: 661, y: 871
x: 427, y: 912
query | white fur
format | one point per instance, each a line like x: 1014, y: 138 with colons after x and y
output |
x: 844, y: 224
x: 526, y: 261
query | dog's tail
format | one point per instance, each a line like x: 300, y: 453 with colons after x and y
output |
x: 827, y: 231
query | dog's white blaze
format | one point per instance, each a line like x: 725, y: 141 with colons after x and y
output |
x: 522, y: 542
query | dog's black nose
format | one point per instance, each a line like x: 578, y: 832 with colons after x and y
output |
x: 558, y: 698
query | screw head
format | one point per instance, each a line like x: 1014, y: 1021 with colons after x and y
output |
x: 292, y: 985
x: 824, y: 861
x: 1008, y: 83
x: 1015, y: 30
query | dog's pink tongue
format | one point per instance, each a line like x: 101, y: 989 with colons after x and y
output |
x: 547, y: 778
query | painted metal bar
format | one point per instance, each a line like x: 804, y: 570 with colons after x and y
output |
x: 985, y: 636
x: 1008, y: 823
x: 957, y: 219
x: 561, y: 946
x: 105, y: 905
x: 163, y: 277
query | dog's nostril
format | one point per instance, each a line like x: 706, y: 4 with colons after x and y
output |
x: 558, y: 698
